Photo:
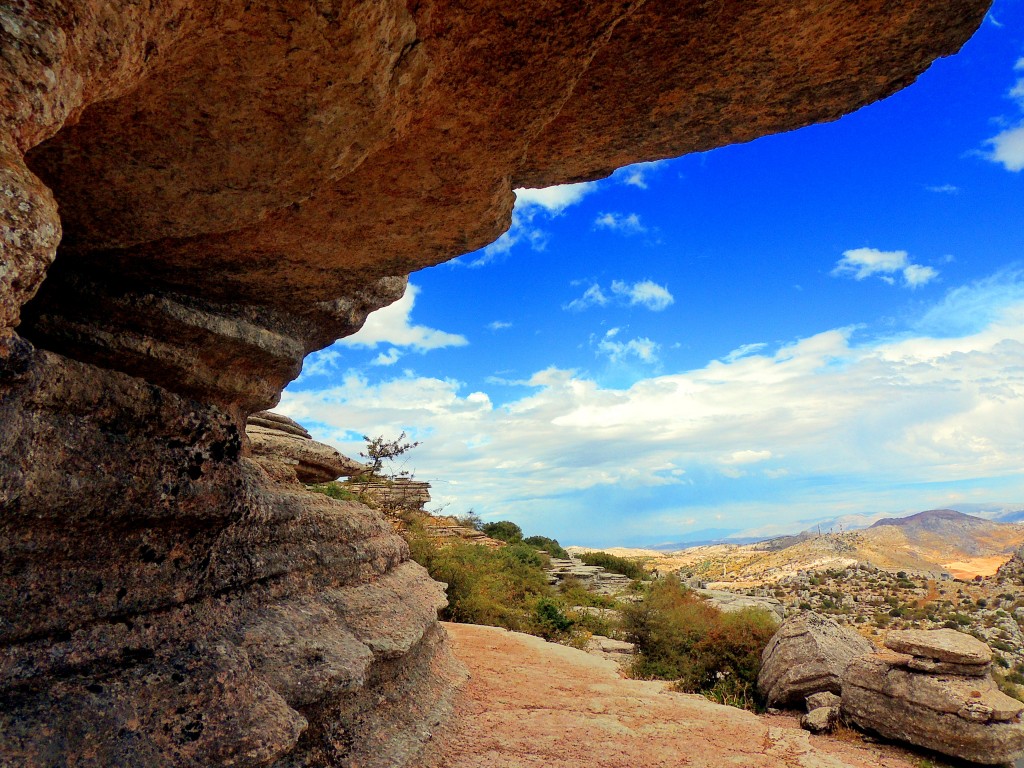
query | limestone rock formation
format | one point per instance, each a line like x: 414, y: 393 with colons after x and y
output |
x: 957, y: 652
x: 196, y: 194
x: 731, y: 601
x: 807, y: 655
x: 277, y: 437
x: 961, y: 716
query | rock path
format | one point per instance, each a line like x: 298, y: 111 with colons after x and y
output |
x: 531, y: 703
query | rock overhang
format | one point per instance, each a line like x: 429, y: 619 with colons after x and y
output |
x: 258, y: 163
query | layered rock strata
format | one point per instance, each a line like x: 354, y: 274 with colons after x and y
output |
x: 807, y: 655
x: 957, y: 713
x: 193, y: 196
x: 277, y: 437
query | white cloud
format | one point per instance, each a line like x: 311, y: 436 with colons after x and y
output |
x: 393, y: 325
x: 499, y: 325
x: 387, y: 358
x: 532, y: 207
x: 637, y: 175
x: 1007, y: 147
x: 626, y: 223
x: 861, y: 263
x: 554, y: 199
x: 642, y: 349
x: 744, y: 350
x: 592, y: 297
x: 946, y: 189
x: 635, y: 178
x: 746, y: 457
x: 644, y: 293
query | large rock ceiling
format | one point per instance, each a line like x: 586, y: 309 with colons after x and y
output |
x: 194, y: 194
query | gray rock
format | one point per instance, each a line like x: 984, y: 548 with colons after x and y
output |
x: 730, y: 601
x: 807, y: 655
x: 278, y: 437
x: 963, y: 717
x: 820, y: 719
x: 930, y: 666
x: 946, y: 645
x: 823, y: 699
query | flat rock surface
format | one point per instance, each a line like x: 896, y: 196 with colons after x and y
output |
x: 533, y: 703
x: 940, y: 644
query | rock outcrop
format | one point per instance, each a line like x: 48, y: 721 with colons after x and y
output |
x: 195, y: 195
x: 808, y: 655
x: 733, y: 601
x: 277, y: 437
x: 962, y: 715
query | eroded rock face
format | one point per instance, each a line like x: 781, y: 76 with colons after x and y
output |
x: 277, y: 437
x: 808, y: 655
x: 237, y: 185
x: 966, y: 717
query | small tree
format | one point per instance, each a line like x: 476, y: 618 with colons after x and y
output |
x: 384, y: 472
x: 504, y: 530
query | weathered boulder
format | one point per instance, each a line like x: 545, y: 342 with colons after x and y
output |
x: 195, y: 194
x: 823, y: 699
x: 965, y: 717
x: 807, y: 655
x: 278, y: 437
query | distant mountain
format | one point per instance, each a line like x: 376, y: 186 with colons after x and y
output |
x: 934, y: 520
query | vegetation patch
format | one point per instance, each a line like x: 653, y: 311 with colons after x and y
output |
x: 614, y: 564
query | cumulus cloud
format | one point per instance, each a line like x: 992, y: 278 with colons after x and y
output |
x: 620, y: 222
x: 533, y: 207
x: 644, y: 293
x: 861, y: 263
x: 393, y: 325
x: 1007, y: 147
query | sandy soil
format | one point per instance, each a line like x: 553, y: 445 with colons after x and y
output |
x: 531, y: 703
x: 975, y: 566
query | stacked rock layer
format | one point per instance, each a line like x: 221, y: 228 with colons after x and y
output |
x: 195, y: 194
x: 934, y: 689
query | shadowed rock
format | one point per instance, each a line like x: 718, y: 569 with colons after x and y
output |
x: 278, y: 437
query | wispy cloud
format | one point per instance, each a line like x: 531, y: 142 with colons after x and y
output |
x: 533, y: 207
x: 944, y: 189
x: 620, y: 222
x: 499, y: 325
x: 641, y: 349
x: 1007, y: 147
x: 638, y: 174
x: 861, y: 263
x: 644, y: 293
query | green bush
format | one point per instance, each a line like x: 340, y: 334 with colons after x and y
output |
x: 503, y: 530
x: 550, y: 546
x: 335, y: 490
x: 613, y: 564
x: 682, y: 637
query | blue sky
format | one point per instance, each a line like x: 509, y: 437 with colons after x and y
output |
x: 815, y: 324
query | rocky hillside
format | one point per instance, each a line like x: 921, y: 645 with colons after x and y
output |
x: 195, y: 194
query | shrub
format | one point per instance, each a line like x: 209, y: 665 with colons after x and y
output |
x: 335, y: 490
x: 503, y: 530
x: 680, y: 636
x: 550, y: 546
x: 613, y: 564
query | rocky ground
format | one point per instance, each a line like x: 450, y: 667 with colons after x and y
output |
x: 561, y: 708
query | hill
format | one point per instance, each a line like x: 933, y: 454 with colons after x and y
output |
x: 928, y: 543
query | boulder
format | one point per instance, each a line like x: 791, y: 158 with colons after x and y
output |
x: 964, y: 717
x: 278, y: 437
x: 820, y: 719
x: 823, y: 699
x: 731, y: 601
x: 807, y: 655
